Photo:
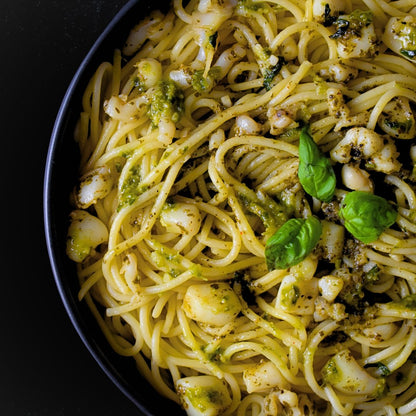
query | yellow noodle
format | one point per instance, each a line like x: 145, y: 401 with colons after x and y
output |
x: 189, y: 184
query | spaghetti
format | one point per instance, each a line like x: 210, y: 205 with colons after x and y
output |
x: 244, y: 222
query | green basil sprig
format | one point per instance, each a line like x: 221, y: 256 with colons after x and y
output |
x: 366, y: 215
x: 315, y: 171
x: 292, y: 242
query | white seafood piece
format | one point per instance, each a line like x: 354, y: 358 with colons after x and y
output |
x: 211, y: 303
x: 334, y: 6
x: 355, y: 178
x: 400, y: 36
x: 181, y: 218
x: 330, y: 286
x: 94, y: 185
x: 263, y: 377
x: 203, y: 395
x: 85, y: 233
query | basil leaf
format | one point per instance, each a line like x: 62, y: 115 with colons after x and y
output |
x: 292, y: 242
x: 315, y: 171
x: 366, y: 215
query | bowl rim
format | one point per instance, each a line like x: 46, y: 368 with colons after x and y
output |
x: 57, y: 131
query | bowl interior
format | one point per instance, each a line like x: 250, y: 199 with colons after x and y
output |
x: 61, y: 173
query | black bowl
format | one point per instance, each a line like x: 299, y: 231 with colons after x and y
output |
x: 61, y: 173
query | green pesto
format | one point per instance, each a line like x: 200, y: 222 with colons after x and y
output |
x: 407, y: 36
x: 372, y: 276
x: 383, y: 369
x: 166, y: 103
x: 139, y: 84
x: 408, y: 302
x: 126, y: 154
x: 174, y: 272
x: 290, y: 295
x: 202, y: 84
x: 381, y: 389
x: 168, y: 205
x: 271, y: 213
x: 270, y: 72
x: 164, y: 257
x: 214, y: 355
x: 353, y: 295
x: 118, y: 166
x: 321, y: 84
x: 352, y: 24
x: 263, y: 54
x: 291, y: 135
x: 131, y: 188
x: 331, y: 374
x: 203, y: 398
x: 78, y: 245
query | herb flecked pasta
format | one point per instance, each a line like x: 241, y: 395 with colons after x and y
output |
x: 244, y: 223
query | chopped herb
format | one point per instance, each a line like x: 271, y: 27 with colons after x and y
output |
x: 131, y: 188
x: 271, y: 213
x: 372, y: 276
x: 290, y: 295
x: 400, y: 126
x: 328, y: 19
x: 139, y: 84
x: 242, y: 280
x: 351, y: 25
x: 408, y: 53
x: 270, y: 72
x: 213, y: 39
x: 384, y: 370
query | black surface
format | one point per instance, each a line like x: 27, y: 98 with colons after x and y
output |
x: 45, y: 367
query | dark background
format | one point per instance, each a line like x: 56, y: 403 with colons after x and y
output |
x: 45, y: 369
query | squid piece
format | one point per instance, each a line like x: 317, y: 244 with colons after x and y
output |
x: 344, y: 373
x: 181, y: 218
x: 362, y: 143
x: 203, y: 395
x: 94, y: 185
x: 357, y: 179
x: 85, y: 233
x: 400, y: 36
x: 211, y: 303
x: 263, y: 377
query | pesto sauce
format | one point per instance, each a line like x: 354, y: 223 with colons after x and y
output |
x: 408, y: 302
x: 203, y: 398
x: 166, y: 102
x: 246, y: 6
x: 131, y: 188
x: 202, y: 84
x: 272, y: 214
x: 290, y: 295
x: 352, y: 24
x: 164, y: 257
x: 401, y: 127
x: 330, y: 372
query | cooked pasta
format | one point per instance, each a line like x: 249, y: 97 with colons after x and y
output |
x: 244, y: 223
